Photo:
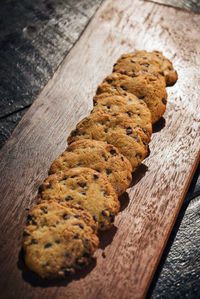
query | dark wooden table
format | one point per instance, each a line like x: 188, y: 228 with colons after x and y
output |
x: 35, y: 37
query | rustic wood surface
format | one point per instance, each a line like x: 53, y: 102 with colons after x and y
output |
x: 34, y: 39
x: 134, y: 246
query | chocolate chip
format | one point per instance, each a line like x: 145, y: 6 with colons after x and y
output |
x: 94, y: 217
x: 123, y: 87
x: 128, y: 178
x: 129, y: 113
x: 73, y: 176
x: 80, y: 225
x: 95, y: 176
x: 25, y: 234
x: 129, y: 131
x: 33, y: 241
x: 108, y: 106
x: 66, y: 271
x: 75, y: 133
x: 138, y: 155
x: 67, y: 255
x: 104, y: 157
x: 77, y: 216
x: 64, y: 178
x: 109, y: 80
x: 68, y: 198
x: 31, y: 218
x: 113, y: 152
x: 134, y: 75
x: 83, y: 193
x: 108, y: 171
x: 65, y: 216
x: 81, y: 184
x: 122, y: 158
x: 164, y: 101
x: 48, y: 186
x: 106, y: 130
x: 47, y: 245
x: 57, y: 241
x: 80, y: 208
x: 141, y: 97
x: 76, y: 236
x: 44, y: 210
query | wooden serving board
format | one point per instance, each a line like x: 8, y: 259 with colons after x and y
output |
x: 135, y: 244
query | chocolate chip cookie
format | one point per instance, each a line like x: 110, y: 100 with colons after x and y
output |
x: 152, y: 62
x: 100, y: 156
x: 136, y: 109
x: 146, y: 87
x: 58, y: 239
x: 85, y: 187
x: 116, y: 129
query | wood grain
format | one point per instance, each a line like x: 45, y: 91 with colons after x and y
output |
x: 134, y: 246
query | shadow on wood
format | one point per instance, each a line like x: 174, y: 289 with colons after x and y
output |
x: 159, y: 125
x: 106, y: 237
x: 138, y: 174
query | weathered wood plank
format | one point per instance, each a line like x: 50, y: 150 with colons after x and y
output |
x: 142, y: 228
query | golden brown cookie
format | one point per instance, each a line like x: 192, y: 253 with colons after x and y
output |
x: 116, y: 129
x: 152, y: 62
x: 136, y: 109
x: 85, y: 187
x: 100, y: 156
x: 58, y: 239
x: 146, y: 87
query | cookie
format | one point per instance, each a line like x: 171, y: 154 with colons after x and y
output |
x: 146, y: 87
x: 100, y: 156
x: 136, y: 109
x: 152, y: 62
x: 58, y: 239
x: 116, y: 129
x: 85, y: 187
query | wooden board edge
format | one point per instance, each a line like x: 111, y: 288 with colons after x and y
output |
x: 173, y: 221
